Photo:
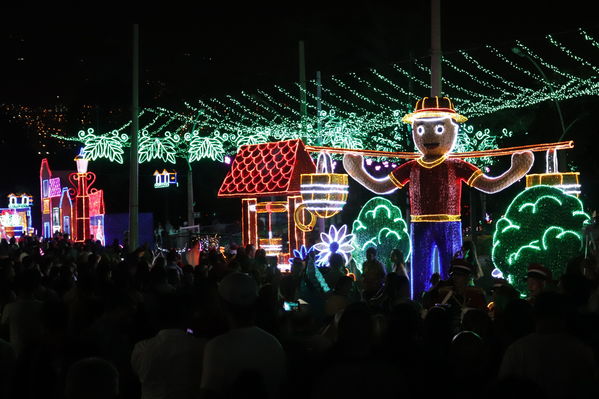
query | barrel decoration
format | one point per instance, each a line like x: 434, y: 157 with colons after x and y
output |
x: 323, y: 193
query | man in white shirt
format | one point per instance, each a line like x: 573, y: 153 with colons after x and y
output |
x: 247, y: 358
x: 559, y: 363
x: 169, y: 365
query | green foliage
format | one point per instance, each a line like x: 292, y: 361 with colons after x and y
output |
x: 164, y: 148
x: 109, y: 146
x: 380, y: 225
x: 204, y: 147
x: 541, y: 225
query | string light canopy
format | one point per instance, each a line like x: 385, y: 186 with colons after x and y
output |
x: 363, y: 110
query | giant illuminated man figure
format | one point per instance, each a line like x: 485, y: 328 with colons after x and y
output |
x: 435, y: 185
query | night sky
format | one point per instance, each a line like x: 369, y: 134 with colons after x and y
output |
x: 198, y: 52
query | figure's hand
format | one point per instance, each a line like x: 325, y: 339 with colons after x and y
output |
x: 522, y: 161
x: 352, y: 162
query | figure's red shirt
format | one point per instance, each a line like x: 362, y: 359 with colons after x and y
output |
x: 435, y: 187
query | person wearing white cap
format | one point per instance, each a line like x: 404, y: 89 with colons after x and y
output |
x: 246, y: 358
x: 537, y: 278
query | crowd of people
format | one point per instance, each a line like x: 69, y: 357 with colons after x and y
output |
x: 79, y: 320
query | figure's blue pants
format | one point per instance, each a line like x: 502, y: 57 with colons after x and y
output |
x: 426, y: 236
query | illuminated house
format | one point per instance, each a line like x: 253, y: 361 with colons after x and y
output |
x: 56, y: 205
x: 77, y: 211
x: 15, y: 220
x: 269, y: 170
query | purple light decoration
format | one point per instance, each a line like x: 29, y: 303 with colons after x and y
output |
x: 394, y: 165
x: 377, y: 167
x: 54, y: 187
x: 227, y: 159
x: 369, y: 162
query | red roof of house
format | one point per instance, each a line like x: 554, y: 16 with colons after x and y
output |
x: 267, y: 169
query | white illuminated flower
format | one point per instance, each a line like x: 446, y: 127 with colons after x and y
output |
x: 336, y: 241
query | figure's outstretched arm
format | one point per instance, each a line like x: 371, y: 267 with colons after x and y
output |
x: 521, y: 164
x: 354, y: 166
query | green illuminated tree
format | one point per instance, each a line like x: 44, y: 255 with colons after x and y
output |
x: 380, y: 225
x: 541, y: 225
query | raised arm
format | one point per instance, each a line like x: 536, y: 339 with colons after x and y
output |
x: 354, y: 166
x: 521, y: 164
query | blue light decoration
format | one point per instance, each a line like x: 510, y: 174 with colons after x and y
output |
x: 165, y: 179
x: 380, y: 225
x: 301, y: 254
x: 336, y: 241
x: 542, y: 225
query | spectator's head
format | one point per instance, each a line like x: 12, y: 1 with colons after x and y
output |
x: 477, y: 321
x: 355, y: 329
x: 174, y: 311
x: 159, y: 261
x: 435, y: 278
x: 438, y: 326
x: 158, y: 274
x: 92, y: 378
x: 460, y: 271
x: 518, y: 319
x: 537, y: 278
x: 173, y: 277
x: 576, y: 289
x: 250, y: 251
x: 371, y: 253
x: 27, y: 281
x: 289, y: 288
x: 172, y: 256
x: 467, y: 355
x: 238, y: 293
x: 343, y: 285
x: 336, y: 261
x: 405, y: 322
x: 550, y: 312
x: 188, y: 275
x: 260, y: 255
x: 397, y: 256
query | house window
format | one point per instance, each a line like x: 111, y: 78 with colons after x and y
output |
x: 45, y: 188
x: 66, y: 225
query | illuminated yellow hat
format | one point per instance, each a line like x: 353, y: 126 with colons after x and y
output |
x: 431, y: 107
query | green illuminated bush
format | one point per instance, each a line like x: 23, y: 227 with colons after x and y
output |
x: 541, y: 225
x: 380, y: 225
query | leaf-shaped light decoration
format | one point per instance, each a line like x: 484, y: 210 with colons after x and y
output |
x: 201, y: 147
x: 164, y: 148
x: 108, y: 146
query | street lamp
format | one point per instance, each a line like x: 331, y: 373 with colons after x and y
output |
x: 551, y: 154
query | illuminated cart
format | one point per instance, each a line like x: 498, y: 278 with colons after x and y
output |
x: 15, y: 220
x: 270, y: 170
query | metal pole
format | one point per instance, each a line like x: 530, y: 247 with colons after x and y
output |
x: 133, y: 165
x: 190, y: 218
x: 436, y: 48
x: 318, y: 106
x: 302, y: 78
